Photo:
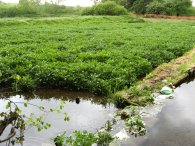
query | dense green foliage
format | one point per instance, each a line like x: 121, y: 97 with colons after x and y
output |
x: 169, y: 7
x: 84, y: 138
x: 166, y: 7
x: 119, y: 2
x: 97, y: 54
x: 30, y: 9
x: 139, y: 6
x: 106, y: 8
x: 190, y: 12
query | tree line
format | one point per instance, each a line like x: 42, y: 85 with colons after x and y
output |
x: 165, y: 7
x: 31, y: 8
x: 105, y: 7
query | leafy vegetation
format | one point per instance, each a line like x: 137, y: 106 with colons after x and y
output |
x: 98, y: 54
x: 165, y: 7
x: 83, y: 139
x: 106, y: 8
x: 169, y: 7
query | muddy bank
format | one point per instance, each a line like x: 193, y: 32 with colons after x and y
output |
x: 165, y: 16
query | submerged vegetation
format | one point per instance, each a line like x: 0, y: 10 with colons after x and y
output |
x: 98, y: 54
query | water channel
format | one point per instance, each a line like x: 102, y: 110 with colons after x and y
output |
x: 89, y: 114
x: 175, y: 124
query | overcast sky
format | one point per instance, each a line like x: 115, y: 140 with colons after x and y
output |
x: 67, y: 2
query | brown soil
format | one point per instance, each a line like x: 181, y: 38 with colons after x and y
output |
x: 165, y: 17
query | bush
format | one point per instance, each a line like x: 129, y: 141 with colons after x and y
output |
x: 119, y: 2
x: 106, y: 8
x: 156, y: 7
x: 169, y: 7
x: 190, y: 11
x: 9, y: 12
x: 36, y: 9
x: 139, y: 6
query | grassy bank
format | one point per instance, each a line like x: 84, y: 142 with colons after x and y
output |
x: 97, y: 54
x: 172, y: 72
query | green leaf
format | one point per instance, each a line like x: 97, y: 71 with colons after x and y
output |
x: 25, y: 104
x: 7, y: 105
x: 18, y: 77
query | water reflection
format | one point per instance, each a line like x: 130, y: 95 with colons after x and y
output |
x: 175, y: 125
x: 84, y: 110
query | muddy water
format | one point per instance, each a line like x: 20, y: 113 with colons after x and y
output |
x: 175, y: 124
x: 90, y: 114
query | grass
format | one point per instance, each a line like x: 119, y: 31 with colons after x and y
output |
x: 98, y: 54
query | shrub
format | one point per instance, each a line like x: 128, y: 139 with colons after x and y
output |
x: 28, y: 8
x: 106, y: 8
x: 9, y: 12
x: 156, y: 7
x: 139, y: 6
x: 169, y: 7
x: 190, y: 11
x: 88, y: 11
x: 120, y: 2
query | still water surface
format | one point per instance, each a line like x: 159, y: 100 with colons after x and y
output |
x: 88, y: 115
x: 175, y: 125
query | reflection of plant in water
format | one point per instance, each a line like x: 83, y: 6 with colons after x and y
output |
x: 108, y: 126
x: 84, y: 138
x: 14, y: 119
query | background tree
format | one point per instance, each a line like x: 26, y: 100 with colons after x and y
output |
x: 130, y: 3
x: 119, y: 2
x: 140, y: 6
x: 181, y: 6
x: 169, y: 7
x: 156, y: 7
